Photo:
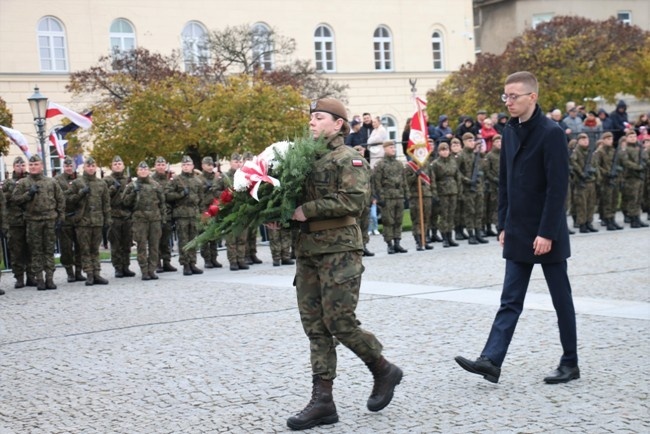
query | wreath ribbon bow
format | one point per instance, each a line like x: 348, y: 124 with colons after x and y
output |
x: 256, y: 172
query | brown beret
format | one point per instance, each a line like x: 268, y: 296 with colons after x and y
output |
x: 388, y: 143
x: 331, y: 106
x: 582, y: 136
x: 606, y: 135
x: 467, y: 136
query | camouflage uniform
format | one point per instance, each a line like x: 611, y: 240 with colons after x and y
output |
x: 165, y: 247
x: 91, y: 199
x: 447, y: 176
x: 429, y: 195
x: 68, y: 244
x: 209, y: 251
x: 19, y: 250
x: 584, y: 198
x: 147, y: 200
x: 235, y: 244
x: 609, y: 184
x: 390, y: 190
x: 634, y: 161
x: 185, y: 192
x: 44, y: 205
x: 472, y: 194
x: 491, y: 189
x: 280, y: 244
x: 4, y: 224
x: 120, y: 231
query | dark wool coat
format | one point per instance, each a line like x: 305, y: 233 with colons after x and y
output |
x: 533, y: 184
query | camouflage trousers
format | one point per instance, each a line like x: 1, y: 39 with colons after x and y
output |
x: 447, y: 212
x: 69, y: 246
x: 147, y: 239
x: 209, y: 251
x: 18, y: 250
x: 41, y: 239
x: 186, y: 231
x: 280, y: 243
x: 327, y: 288
x: 251, y: 242
x: 414, y: 208
x: 584, y: 202
x: 165, y: 245
x: 472, y: 211
x: 392, y: 214
x: 491, y: 203
x: 632, y: 191
x: 90, y: 238
x: 364, y: 223
x: 121, y: 238
x: 236, y: 247
x: 608, y: 200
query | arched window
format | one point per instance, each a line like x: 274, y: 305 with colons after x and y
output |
x: 122, y: 36
x: 389, y: 122
x: 324, y: 49
x: 383, y: 49
x: 436, y: 50
x: 195, y: 51
x: 262, y: 47
x: 52, y: 49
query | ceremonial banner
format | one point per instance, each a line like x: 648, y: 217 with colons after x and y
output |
x: 419, y: 147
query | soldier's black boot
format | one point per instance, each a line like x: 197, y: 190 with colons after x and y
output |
x: 398, y: 248
x: 40, y: 283
x: 367, y: 252
x: 90, y: 279
x: 78, y: 277
x: 127, y: 272
x: 216, y: 263
x: 98, y: 280
x: 391, y: 248
x: 591, y: 227
x: 583, y: 229
x: 387, y: 376
x: 153, y: 276
x: 49, y: 282
x: 145, y: 275
x: 480, y: 238
x: 167, y: 266
x: 243, y: 265
x: 186, y: 270
x: 610, y: 224
x: 20, y: 282
x: 159, y: 267
x: 619, y: 227
x: 195, y: 269
x: 472, y: 237
x: 418, y: 243
x: 234, y: 266
x: 460, y: 233
x: 70, y: 272
x: 452, y: 242
x: 490, y: 232
x: 435, y: 238
x: 255, y: 259
x: 320, y: 410
x: 640, y: 222
x: 445, y: 239
x: 208, y: 264
x: 119, y: 273
x: 31, y: 280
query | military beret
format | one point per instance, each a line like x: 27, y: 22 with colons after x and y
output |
x: 630, y: 132
x: 207, y: 160
x: 19, y: 160
x: 34, y: 158
x: 467, y: 136
x: 496, y: 137
x: 161, y: 160
x: 583, y: 136
x: 247, y: 156
x: 443, y: 146
x: 143, y: 165
x: 235, y: 156
x: 89, y: 161
x: 117, y: 159
x: 331, y: 106
x: 606, y: 135
x: 186, y: 159
x: 388, y: 143
x: 68, y: 161
x: 481, y: 112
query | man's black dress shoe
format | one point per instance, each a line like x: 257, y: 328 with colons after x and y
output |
x: 482, y: 366
x: 563, y: 374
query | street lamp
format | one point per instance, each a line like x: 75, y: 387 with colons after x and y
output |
x: 38, y: 105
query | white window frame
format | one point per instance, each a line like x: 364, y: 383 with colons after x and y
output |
x: 390, y: 123
x: 324, y: 49
x: 382, y: 43
x: 436, y: 38
x: 55, y: 50
x: 125, y: 39
x: 193, y: 45
x: 628, y: 20
x: 541, y: 18
x: 263, y: 53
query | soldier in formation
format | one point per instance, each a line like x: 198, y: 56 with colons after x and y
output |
x: 585, y: 174
x: 209, y: 179
x: 68, y: 243
x: 427, y: 189
x: 445, y: 171
x: 120, y: 230
x: 235, y: 244
x: 161, y: 176
x: 471, y: 172
x: 250, y: 256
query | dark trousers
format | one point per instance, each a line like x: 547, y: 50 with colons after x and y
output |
x: 512, y: 303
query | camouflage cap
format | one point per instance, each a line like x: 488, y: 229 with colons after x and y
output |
x: 606, y: 135
x: 247, y: 156
x: 388, y: 143
x: 89, y: 161
x: 68, y: 161
x: 186, y: 159
x: 34, y: 158
x: 207, y: 160
x: 329, y: 105
x: 467, y: 136
x: 235, y: 156
x: 117, y: 159
x: 582, y: 136
x: 161, y: 160
x: 143, y: 165
x: 19, y: 160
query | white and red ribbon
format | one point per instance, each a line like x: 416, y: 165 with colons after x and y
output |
x: 256, y: 172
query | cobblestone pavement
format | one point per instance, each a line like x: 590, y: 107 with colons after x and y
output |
x: 225, y: 352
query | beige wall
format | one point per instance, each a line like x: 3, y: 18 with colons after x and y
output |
x: 158, y: 25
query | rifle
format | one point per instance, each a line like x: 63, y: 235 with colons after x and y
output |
x: 642, y: 162
x: 587, y: 169
x: 615, y: 169
x: 475, y: 170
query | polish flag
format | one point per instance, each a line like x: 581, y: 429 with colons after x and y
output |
x: 419, y: 146
x: 59, y: 144
x: 18, y: 138
x: 54, y: 109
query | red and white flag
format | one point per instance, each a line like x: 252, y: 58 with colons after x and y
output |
x: 54, y: 109
x: 418, y: 146
x: 18, y: 138
x: 59, y: 144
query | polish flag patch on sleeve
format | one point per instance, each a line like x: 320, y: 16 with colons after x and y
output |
x: 356, y: 162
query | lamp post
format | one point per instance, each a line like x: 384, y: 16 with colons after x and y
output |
x: 38, y: 105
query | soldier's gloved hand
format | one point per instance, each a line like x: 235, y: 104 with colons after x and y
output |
x: 186, y: 191
x: 136, y: 187
x: 117, y: 184
x: 33, y: 190
x: 84, y: 191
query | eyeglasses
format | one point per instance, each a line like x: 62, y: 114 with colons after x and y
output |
x: 512, y: 97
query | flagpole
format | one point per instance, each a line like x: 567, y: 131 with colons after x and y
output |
x: 422, y: 234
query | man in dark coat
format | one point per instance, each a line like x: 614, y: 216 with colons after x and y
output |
x: 619, y: 122
x: 533, y: 183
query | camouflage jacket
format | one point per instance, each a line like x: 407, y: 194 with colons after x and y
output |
x: 116, y: 182
x: 428, y: 190
x: 211, y: 188
x: 634, y: 161
x: 4, y: 222
x: 388, y: 180
x: 492, y: 167
x: 338, y: 186
x: 185, y: 205
x: 447, y: 176
x: 578, y: 161
x: 92, y: 208
x: 466, y: 161
x: 163, y: 181
x: 14, y: 211
x: 48, y: 203
x: 65, y: 181
x: 147, y: 200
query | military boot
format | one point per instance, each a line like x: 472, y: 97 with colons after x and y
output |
x: 452, y: 242
x: 460, y: 233
x: 167, y: 266
x: 435, y: 237
x: 367, y: 252
x: 591, y: 227
x: 398, y: 248
x: 584, y: 229
x: 472, y: 237
x: 31, y: 280
x: 70, y: 272
x: 187, y: 271
x: 2, y: 292
x: 418, y: 243
x: 479, y: 238
x: 78, y: 277
x: 119, y: 273
x: 610, y: 224
x: 195, y: 270
x: 391, y: 248
x: 255, y: 259
x: 49, y: 281
x: 99, y: 280
x: 216, y: 263
x: 20, y: 281
x: 127, y: 272
x: 640, y: 222
x: 445, y: 239
x: 90, y: 279
x: 387, y: 376
x: 490, y: 232
x: 320, y: 410
x: 619, y: 227
x: 40, y: 282
x: 159, y: 267
x: 243, y: 265
x: 208, y: 264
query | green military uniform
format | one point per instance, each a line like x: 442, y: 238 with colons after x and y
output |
x: 120, y: 230
x: 44, y: 205
x: 491, y: 197
x: 634, y: 162
x: 609, y: 159
x: 447, y: 176
x: 390, y: 190
x: 147, y: 200
x: 583, y: 167
x: 470, y: 163
x: 4, y: 224
x: 17, y: 238
x: 425, y: 177
x: 250, y: 255
x: 68, y: 244
x: 208, y: 179
x: 185, y: 192
x: 166, y: 241
x: 280, y: 245
x: 91, y: 200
